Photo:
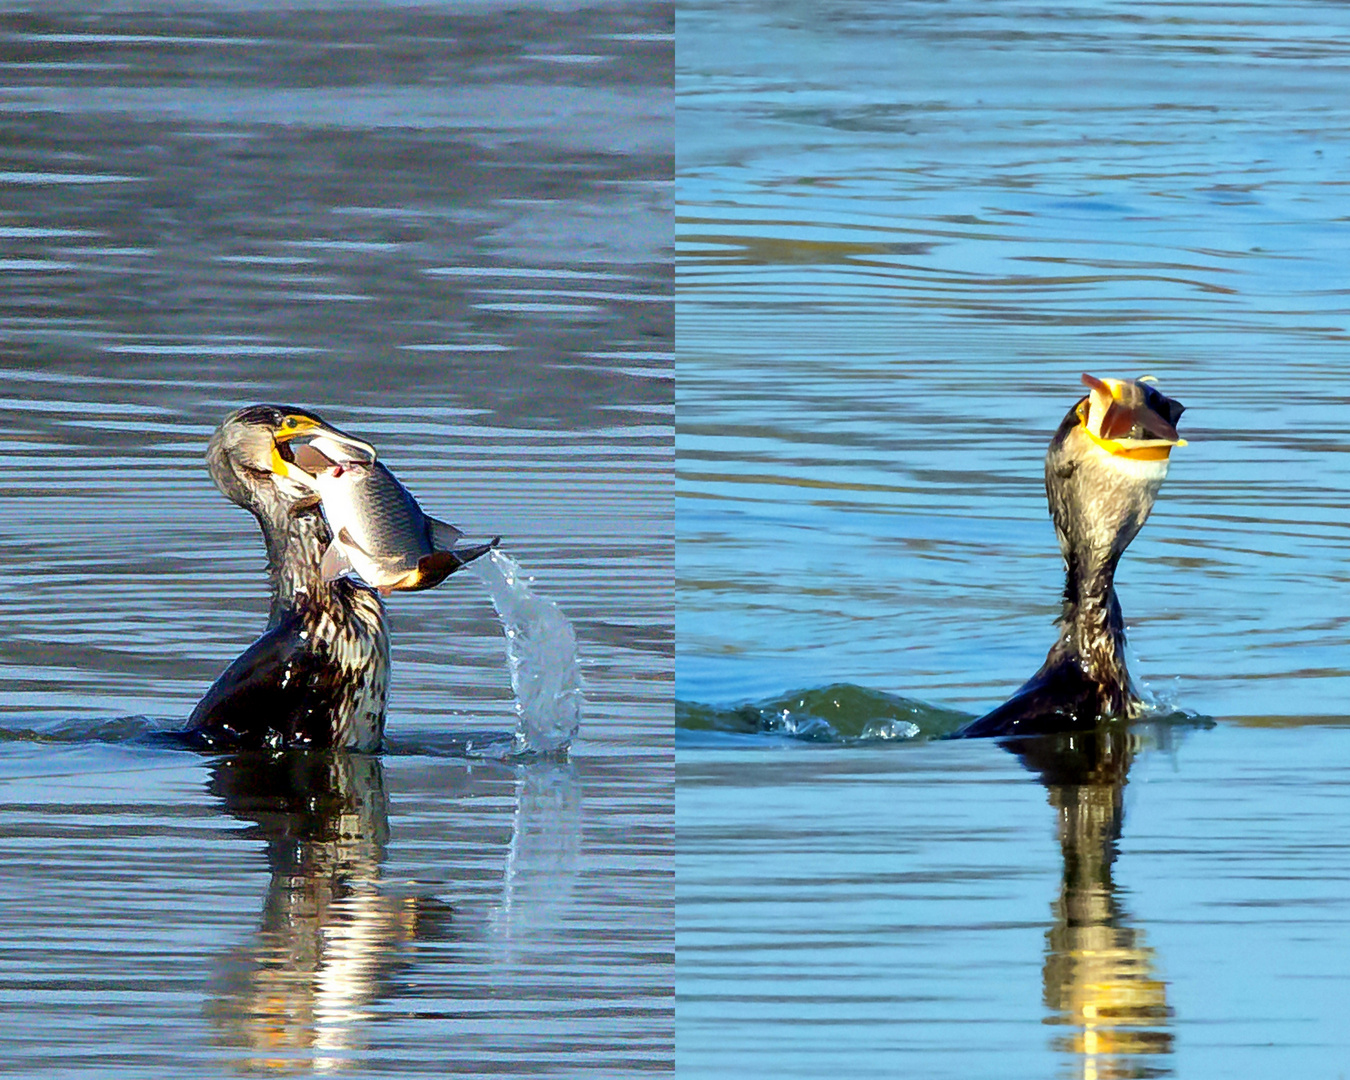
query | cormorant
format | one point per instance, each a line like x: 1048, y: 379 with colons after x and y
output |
x: 319, y: 675
x: 1102, y: 474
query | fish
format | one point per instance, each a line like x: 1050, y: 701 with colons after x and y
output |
x: 379, y: 530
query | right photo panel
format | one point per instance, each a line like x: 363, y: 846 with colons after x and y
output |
x: 1013, y: 468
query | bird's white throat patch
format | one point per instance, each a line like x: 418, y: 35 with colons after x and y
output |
x: 1135, y: 468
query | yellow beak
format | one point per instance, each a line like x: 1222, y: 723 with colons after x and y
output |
x: 1105, y: 414
x: 293, y: 427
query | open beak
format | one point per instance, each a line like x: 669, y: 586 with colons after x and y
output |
x: 304, y: 447
x: 1130, y: 418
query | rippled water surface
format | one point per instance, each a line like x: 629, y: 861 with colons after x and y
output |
x: 446, y: 228
x: 1172, y: 904
x: 903, y: 231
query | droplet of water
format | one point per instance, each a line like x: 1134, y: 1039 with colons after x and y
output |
x: 889, y: 729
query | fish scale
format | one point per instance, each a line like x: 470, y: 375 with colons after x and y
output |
x: 379, y: 530
x: 379, y: 515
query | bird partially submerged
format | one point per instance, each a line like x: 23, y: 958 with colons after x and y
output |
x: 1102, y: 474
x: 319, y: 675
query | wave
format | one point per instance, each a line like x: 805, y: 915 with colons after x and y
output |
x: 842, y: 714
x: 161, y: 733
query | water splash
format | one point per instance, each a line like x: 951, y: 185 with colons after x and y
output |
x: 542, y: 650
x: 849, y: 715
x: 838, y: 713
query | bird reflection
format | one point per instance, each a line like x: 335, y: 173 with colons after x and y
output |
x: 334, y: 937
x: 329, y: 934
x: 1100, y: 977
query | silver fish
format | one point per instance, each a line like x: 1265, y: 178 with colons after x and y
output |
x: 379, y: 530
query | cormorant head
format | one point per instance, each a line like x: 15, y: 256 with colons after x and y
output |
x: 258, y: 457
x: 1105, y: 466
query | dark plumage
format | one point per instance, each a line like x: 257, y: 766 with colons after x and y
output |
x: 319, y: 675
x: 1102, y: 475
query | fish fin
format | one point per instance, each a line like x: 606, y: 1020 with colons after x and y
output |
x: 443, y: 535
x: 1121, y: 419
x: 382, y: 574
x: 1117, y: 422
x: 472, y: 551
x: 336, y: 561
x: 391, y: 567
x: 434, y: 568
x: 346, y: 538
x: 1157, y: 425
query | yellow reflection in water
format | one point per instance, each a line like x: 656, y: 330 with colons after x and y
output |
x: 1100, y: 976
x: 294, y: 999
x: 298, y: 996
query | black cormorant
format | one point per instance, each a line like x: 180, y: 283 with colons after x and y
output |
x: 319, y: 675
x: 1102, y: 474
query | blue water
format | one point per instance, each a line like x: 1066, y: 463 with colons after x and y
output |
x: 863, y: 913
x: 903, y: 232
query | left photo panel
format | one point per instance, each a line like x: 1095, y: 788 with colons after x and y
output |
x: 337, y: 643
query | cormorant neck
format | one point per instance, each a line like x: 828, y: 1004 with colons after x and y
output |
x: 296, y: 540
x: 1092, y: 628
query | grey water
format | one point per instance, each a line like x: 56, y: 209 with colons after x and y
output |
x: 903, y: 231
x: 445, y: 228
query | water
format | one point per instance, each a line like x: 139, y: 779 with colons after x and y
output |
x: 923, y: 910
x: 447, y: 232
x: 541, y: 649
x: 903, y: 233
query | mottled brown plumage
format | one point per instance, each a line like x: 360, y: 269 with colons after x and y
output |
x: 1105, y: 465
x: 319, y: 675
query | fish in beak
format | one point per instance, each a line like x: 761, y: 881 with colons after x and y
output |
x: 1130, y: 418
x: 304, y: 447
x: 381, y: 533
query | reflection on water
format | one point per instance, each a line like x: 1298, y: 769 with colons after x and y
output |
x: 167, y: 915
x: 542, y: 856
x: 446, y: 226
x: 334, y: 933
x: 1101, y: 978
x: 296, y: 999
x: 905, y: 230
